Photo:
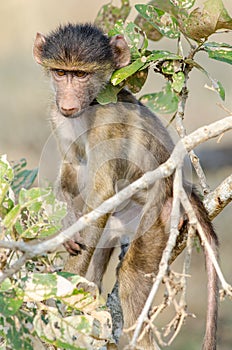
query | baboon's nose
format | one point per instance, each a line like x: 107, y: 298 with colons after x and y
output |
x: 67, y: 112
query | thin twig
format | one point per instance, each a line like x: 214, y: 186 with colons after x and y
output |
x: 227, y: 110
x: 14, y: 268
x: 182, y: 133
x: 199, y: 171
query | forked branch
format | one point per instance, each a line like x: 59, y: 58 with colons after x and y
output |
x: 164, y: 170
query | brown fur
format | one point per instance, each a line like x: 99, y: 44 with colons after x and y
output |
x: 103, y: 149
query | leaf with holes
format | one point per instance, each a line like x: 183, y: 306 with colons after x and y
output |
x: 6, y: 194
x: 110, y: 14
x: 37, y: 214
x: 151, y: 32
x: 184, y: 4
x: 136, y: 40
x: 201, y: 23
x: 216, y: 85
x: 178, y: 80
x: 9, y: 305
x: 136, y: 81
x: 162, y: 20
x: 165, y: 101
x: 219, y: 51
x: 123, y: 73
x: 162, y: 55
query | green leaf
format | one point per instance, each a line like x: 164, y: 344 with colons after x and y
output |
x: 216, y: 85
x: 165, y: 6
x: 220, y: 89
x: 109, y: 94
x: 123, y: 73
x: 136, y: 81
x: 165, y: 9
x: 162, y: 55
x: 5, y: 285
x: 109, y: 15
x: 151, y: 32
x: 133, y: 35
x: 9, y: 305
x: 118, y: 28
x: 11, y: 218
x: 132, y: 32
x: 6, y: 177
x: 165, y: 101
x: 178, y: 80
x: 185, y: 4
x: 42, y: 286
x: 18, y: 335
x: 37, y: 214
x: 141, y: 63
x: 219, y: 51
x: 6, y: 194
x: 74, y: 332
x: 160, y: 16
x: 22, y: 178
x: 32, y: 196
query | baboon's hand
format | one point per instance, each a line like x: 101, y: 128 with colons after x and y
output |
x: 74, y: 246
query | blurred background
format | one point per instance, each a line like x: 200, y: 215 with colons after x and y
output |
x: 25, y: 131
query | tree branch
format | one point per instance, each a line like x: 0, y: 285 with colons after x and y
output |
x: 174, y: 163
x: 179, y: 196
x: 164, y: 170
x: 216, y: 200
x: 14, y: 268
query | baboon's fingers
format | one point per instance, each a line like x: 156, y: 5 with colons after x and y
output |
x: 73, y: 247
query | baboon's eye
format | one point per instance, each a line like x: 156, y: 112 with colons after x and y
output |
x: 80, y: 74
x: 60, y: 72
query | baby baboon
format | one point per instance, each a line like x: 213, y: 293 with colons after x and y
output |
x: 103, y: 149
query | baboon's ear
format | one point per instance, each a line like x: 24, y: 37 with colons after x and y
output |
x: 121, y: 51
x: 40, y: 40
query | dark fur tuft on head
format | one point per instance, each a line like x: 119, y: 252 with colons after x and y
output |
x: 77, y: 43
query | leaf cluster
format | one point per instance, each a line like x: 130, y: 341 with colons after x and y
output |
x: 42, y: 308
x: 175, y: 20
x: 59, y: 309
x: 26, y: 213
